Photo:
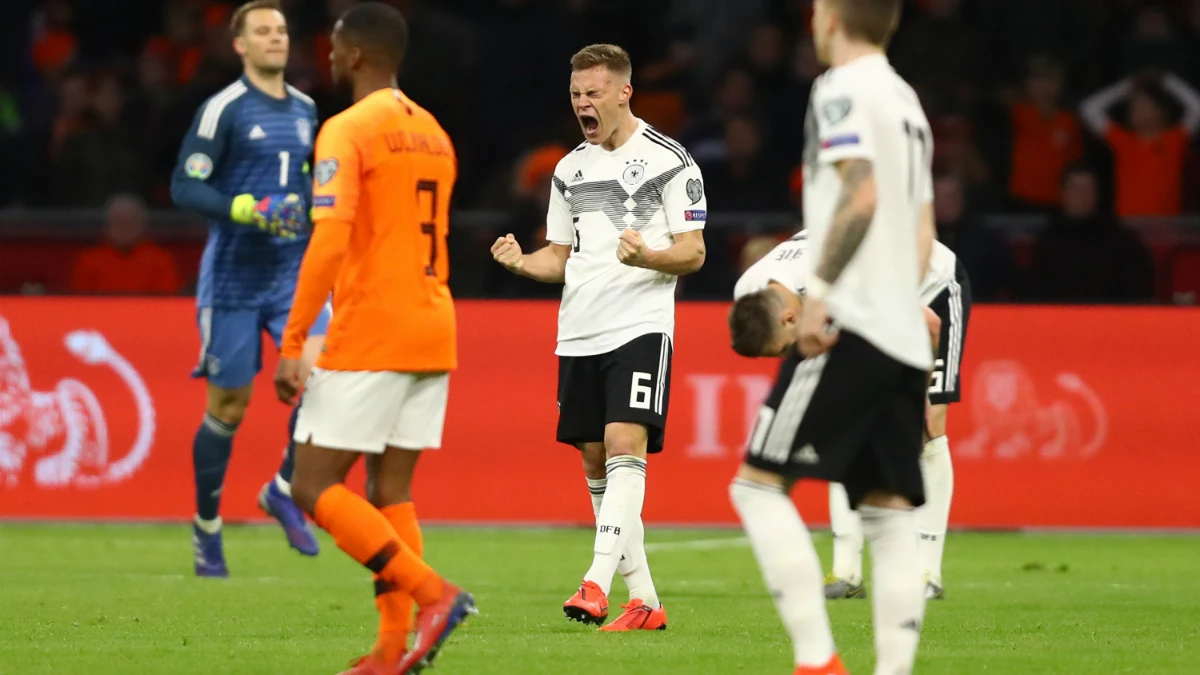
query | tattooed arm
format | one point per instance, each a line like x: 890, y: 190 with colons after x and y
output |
x: 851, y: 218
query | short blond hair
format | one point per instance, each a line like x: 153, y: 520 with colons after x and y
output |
x: 237, y: 22
x: 610, y: 57
x: 871, y: 20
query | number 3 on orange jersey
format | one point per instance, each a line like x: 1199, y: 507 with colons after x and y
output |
x: 429, y: 227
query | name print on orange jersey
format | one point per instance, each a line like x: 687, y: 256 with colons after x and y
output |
x: 416, y: 141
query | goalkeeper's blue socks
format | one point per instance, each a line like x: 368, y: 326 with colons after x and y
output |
x: 210, y: 458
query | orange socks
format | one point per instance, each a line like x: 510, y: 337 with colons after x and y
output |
x: 394, y: 604
x: 364, y: 533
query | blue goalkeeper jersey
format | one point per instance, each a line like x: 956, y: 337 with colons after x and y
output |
x: 243, y: 140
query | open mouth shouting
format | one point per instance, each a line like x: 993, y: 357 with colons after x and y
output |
x: 590, y: 125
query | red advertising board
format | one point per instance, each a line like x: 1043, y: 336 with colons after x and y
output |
x: 1071, y: 417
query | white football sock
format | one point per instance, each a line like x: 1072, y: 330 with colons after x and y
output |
x: 596, y: 486
x: 898, y: 587
x: 619, y: 513
x: 789, y: 565
x: 847, y: 536
x: 284, y: 486
x: 633, y: 567
x: 209, y: 526
x: 934, y: 517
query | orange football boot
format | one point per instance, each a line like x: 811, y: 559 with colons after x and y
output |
x: 638, y: 616
x: 588, y: 605
x: 834, y: 667
x: 434, y: 625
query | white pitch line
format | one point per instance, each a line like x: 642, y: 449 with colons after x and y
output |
x: 699, y: 544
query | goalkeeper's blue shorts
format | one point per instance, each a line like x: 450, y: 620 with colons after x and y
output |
x: 231, y: 344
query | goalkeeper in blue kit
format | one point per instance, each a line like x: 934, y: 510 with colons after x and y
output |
x: 244, y: 166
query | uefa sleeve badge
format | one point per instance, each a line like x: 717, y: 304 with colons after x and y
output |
x: 198, y: 165
x: 325, y: 170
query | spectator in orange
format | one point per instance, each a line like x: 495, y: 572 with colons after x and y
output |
x: 54, y: 45
x: 181, y: 44
x: 1150, y: 154
x: 1045, y: 136
x: 126, y: 262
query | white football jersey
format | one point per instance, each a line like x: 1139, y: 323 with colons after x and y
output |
x: 650, y: 184
x: 784, y: 265
x: 942, y: 266
x: 864, y: 110
x: 781, y: 265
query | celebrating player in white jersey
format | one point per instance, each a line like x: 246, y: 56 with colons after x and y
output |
x: 767, y: 303
x: 626, y: 215
x: 946, y: 290
x: 852, y: 408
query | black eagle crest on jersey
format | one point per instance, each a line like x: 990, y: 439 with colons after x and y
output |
x: 624, y: 210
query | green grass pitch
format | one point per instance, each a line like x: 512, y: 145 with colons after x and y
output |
x: 101, y: 600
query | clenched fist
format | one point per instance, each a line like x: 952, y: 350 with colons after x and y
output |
x: 507, y: 252
x: 632, y: 250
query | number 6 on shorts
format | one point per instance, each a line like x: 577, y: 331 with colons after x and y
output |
x: 639, y: 394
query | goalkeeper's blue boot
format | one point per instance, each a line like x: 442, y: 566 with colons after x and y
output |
x: 210, y: 553
x: 281, y: 507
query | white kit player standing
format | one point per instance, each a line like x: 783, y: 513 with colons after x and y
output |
x: 852, y: 408
x: 946, y: 290
x: 627, y: 211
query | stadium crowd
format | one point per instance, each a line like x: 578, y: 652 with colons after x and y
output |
x: 94, y: 98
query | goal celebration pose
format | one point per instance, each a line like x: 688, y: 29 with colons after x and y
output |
x: 626, y: 215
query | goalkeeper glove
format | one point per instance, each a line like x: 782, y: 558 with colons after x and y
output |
x: 277, y: 215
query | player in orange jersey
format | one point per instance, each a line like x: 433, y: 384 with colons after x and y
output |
x: 382, y: 181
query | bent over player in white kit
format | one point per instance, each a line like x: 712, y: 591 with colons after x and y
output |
x: 850, y: 406
x: 767, y: 304
x: 946, y: 290
x: 626, y: 215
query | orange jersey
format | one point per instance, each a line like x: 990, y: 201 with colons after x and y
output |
x: 382, y: 181
x: 1041, y: 149
x: 1149, y: 171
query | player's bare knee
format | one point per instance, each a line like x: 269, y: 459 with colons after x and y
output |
x: 390, y: 476
x: 382, y: 492
x: 594, y: 456
x: 625, y: 438
x: 317, y: 470
x: 307, y: 487
x: 386, y: 490
x: 228, y: 405
x: 937, y: 420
